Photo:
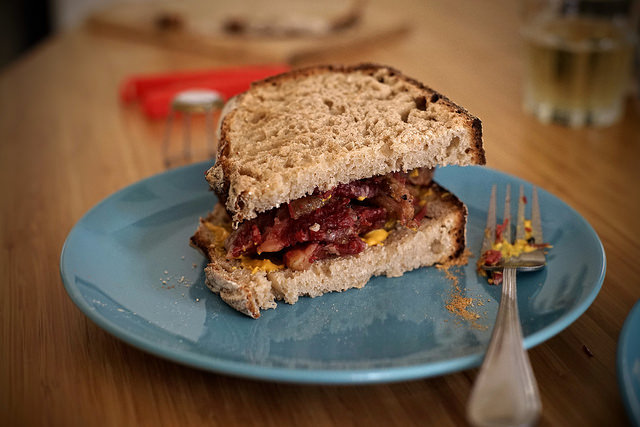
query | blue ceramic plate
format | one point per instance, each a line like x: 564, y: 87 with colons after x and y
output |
x: 128, y: 266
x: 629, y: 364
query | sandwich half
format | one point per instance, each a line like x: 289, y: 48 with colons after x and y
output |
x: 324, y: 178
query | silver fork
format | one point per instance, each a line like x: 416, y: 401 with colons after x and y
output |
x: 506, y: 392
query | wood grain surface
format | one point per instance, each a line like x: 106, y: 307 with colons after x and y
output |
x: 66, y: 143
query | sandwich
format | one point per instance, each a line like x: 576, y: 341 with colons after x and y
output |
x: 324, y: 178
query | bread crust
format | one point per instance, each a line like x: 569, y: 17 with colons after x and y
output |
x: 439, y: 238
x: 239, y: 197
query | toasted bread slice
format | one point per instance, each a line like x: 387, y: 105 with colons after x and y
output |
x: 322, y: 126
x: 439, y: 238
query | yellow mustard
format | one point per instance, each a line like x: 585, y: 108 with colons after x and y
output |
x: 527, y: 229
x: 510, y: 250
x: 375, y: 237
x: 259, y: 265
x: 220, y: 234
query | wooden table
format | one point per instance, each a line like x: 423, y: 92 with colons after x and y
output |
x: 66, y: 143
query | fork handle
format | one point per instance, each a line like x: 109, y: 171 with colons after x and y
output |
x: 505, y: 392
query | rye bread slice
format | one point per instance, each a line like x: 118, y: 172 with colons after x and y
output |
x: 320, y: 126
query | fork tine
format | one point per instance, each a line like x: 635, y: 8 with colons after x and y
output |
x: 490, y: 229
x: 520, y: 226
x: 536, y: 222
x: 506, y: 233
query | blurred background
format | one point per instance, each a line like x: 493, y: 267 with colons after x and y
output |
x: 86, y: 91
x: 22, y: 25
x: 25, y: 23
x: 564, y: 63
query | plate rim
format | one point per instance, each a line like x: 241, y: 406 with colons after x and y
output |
x: 311, y: 376
x: 627, y: 392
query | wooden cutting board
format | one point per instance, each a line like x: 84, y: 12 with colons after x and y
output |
x: 202, y: 26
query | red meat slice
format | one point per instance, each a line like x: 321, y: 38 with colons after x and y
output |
x: 328, y: 224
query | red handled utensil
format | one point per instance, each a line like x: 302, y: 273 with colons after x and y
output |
x: 156, y: 92
x: 136, y: 87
